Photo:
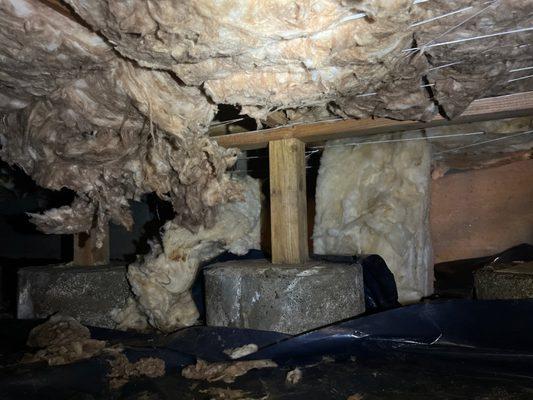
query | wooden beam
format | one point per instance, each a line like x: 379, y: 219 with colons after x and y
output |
x: 288, y: 206
x: 509, y: 106
x: 86, y: 254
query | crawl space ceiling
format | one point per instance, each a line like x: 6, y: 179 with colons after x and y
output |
x: 114, y: 99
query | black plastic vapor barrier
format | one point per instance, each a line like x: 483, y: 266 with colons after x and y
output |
x: 485, y: 347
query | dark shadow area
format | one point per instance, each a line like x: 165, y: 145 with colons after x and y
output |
x: 149, y: 216
x: 228, y: 112
x: 24, y: 246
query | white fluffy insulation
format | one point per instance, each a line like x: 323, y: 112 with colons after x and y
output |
x: 161, y: 281
x: 374, y: 199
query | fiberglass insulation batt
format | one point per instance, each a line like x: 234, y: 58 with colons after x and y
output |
x: 161, y: 280
x: 374, y: 199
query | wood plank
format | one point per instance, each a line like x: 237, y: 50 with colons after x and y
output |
x: 288, y: 207
x: 482, y: 212
x: 509, y: 106
x: 86, y: 254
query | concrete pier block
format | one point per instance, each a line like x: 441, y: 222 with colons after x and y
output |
x: 505, y: 282
x: 85, y: 293
x: 256, y: 294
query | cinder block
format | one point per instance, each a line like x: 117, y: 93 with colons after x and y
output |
x: 504, y: 282
x: 85, y: 293
x: 256, y: 294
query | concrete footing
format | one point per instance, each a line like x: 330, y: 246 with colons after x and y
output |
x: 505, y: 282
x: 256, y: 294
x: 85, y: 293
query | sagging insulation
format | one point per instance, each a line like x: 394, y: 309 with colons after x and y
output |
x: 76, y: 115
x: 161, y: 281
x: 374, y: 199
x: 328, y: 54
x: 114, y: 101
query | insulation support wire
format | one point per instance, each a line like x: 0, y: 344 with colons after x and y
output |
x: 255, y: 170
x: 253, y: 157
x: 521, y: 69
x: 519, y: 79
x: 363, y: 15
x: 444, y: 66
x: 231, y: 121
x: 375, y: 93
x: 431, y: 42
x: 423, y: 138
x: 485, y: 142
x: 402, y: 140
x: 457, y: 41
x: 508, y: 45
x: 308, y: 153
x: 440, y: 16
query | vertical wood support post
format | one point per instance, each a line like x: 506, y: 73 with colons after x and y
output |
x: 86, y: 254
x: 288, y: 203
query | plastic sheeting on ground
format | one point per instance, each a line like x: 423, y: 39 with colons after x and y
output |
x: 400, y: 351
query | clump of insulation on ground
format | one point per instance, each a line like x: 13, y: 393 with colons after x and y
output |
x: 223, y: 371
x: 62, y: 340
x: 122, y: 370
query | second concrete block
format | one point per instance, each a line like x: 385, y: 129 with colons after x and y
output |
x: 256, y: 294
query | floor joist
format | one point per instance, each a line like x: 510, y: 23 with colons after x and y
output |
x: 508, y: 106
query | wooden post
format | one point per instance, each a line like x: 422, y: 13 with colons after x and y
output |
x: 288, y: 206
x: 86, y: 254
